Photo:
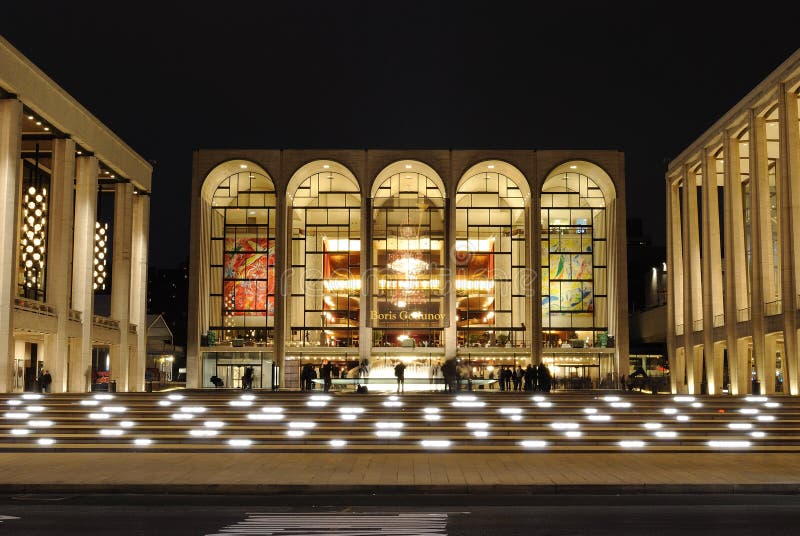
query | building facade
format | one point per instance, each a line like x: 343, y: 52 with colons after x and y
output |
x: 56, y: 162
x: 367, y: 258
x: 733, y: 210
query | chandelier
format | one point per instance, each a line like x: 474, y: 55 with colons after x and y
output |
x: 100, y: 251
x: 410, y: 267
x: 33, y: 240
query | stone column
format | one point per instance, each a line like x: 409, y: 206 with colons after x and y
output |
x: 10, y: 175
x: 535, y: 260
x: 87, y: 170
x: 121, y: 282
x: 735, y: 263
x: 283, y: 237
x: 789, y: 176
x: 671, y: 315
x: 761, y: 239
x: 451, y: 329
x: 712, y: 268
x: 365, y: 269
x: 676, y: 288
x: 59, y: 258
x: 692, y: 282
x: 138, y: 309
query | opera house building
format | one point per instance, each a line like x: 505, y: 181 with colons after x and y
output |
x: 733, y: 209
x: 363, y: 259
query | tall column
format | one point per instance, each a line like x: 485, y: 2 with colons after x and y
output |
x: 535, y: 260
x: 87, y: 170
x: 138, y: 310
x: 283, y: 234
x: 10, y: 174
x: 735, y: 263
x: 451, y: 326
x: 365, y: 269
x: 59, y: 258
x: 761, y: 240
x: 121, y: 282
x: 692, y: 282
x: 676, y: 285
x: 789, y: 176
x: 712, y: 267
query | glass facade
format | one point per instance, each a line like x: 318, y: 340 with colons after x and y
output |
x: 242, y: 297
x: 490, y: 265
x: 408, y: 262
x: 326, y: 261
x: 574, y: 261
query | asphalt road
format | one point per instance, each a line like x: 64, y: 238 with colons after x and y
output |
x: 400, y: 515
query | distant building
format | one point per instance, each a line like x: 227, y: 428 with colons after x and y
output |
x: 733, y: 262
x: 495, y: 258
x: 163, y: 355
x: 56, y: 162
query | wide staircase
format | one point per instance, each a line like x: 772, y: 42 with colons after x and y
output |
x: 265, y: 421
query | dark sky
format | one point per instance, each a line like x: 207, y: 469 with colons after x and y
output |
x: 646, y: 78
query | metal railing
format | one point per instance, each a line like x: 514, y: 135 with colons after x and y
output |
x: 34, y: 306
x: 679, y: 329
x: 75, y: 316
x: 773, y: 308
x: 719, y: 320
x: 105, y: 322
x: 697, y: 325
x: 743, y: 315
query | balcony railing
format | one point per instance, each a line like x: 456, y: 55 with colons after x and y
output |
x: 719, y: 320
x: 697, y: 325
x: 679, y: 329
x: 743, y: 315
x: 33, y: 306
x: 105, y: 322
x: 75, y: 316
x: 773, y: 308
x: 132, y: 329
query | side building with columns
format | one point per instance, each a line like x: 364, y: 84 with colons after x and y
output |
x: 57, y: 162
x: 733, y: 220
x: 368, y: 258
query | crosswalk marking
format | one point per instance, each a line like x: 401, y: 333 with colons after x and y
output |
x: 349, y: 524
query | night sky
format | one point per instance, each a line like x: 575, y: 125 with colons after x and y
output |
x: 646, y: 79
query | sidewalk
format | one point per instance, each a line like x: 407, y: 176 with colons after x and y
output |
x: 534, y: 473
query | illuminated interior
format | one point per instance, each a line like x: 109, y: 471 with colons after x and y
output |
x: 574, y: 262
x: 490, y: 251
x: 326, y: 259
x: 408, y: 258
x: 242, y: 262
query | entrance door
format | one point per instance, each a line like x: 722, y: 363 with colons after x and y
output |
x: 231, y: 375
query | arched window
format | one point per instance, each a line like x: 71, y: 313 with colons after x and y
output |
x: 326, y: 258
x: 490, y: 258
x: 574, y: 259
x: 408, y: 258
x: 242, y: 258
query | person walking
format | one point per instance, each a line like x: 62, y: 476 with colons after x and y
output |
x: 45, y: 381
x: 326, y: 375
x: 400, y: 372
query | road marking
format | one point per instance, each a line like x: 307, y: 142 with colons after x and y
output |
x: 348, y: 524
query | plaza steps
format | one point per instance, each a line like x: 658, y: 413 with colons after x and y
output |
x: 549, y: 418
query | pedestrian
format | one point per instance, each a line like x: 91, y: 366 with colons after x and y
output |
x: 247, y: 379
x: 326, y: 375
x: 45, y: 381
x: 400, y: 372
x: 507, y: 377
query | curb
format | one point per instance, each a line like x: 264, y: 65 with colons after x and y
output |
x: 537, y: 489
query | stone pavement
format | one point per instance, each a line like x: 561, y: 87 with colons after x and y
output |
x: 327, y: 473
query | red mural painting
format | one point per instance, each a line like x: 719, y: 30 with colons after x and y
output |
x: 249, y: 276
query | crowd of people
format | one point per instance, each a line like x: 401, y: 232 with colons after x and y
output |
x: 531, y: 378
